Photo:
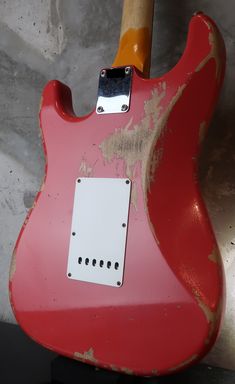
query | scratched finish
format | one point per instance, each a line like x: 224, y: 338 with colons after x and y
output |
x: 171, y: 291
x: 75, y: 55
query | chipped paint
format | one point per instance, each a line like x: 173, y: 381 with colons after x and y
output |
x: 134, y: 195
x: 43, y: 185
x: 215, y: 256
x: 214, y: 52
x: 13, y: 266
x: 27, y: 219
x: 202, y: 132
x: 210, y: 316
x: 113, y: 368
x: 127, y: 371
x: 33, y: 205
x: 85, y: 169
x: 86, y: 356
x: 184, y: 363
x: 156, y: 159
x: 159, y: 122
x: 135, y: 143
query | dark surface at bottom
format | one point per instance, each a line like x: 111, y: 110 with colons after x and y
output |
x: 66, y: 371
x: 24, y: 361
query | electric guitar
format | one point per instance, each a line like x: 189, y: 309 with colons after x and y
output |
x: 116, y: 264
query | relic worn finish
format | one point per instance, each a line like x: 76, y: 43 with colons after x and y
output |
x: 168, y: 311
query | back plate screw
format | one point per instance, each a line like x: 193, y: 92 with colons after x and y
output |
x: 100, y: 109
x: 127, y: 70
x: 103, y: 73
x: 124, y: 107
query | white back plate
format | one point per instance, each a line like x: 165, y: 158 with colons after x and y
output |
x: 99, y: 230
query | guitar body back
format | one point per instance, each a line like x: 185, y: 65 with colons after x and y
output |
x: 167, y: 313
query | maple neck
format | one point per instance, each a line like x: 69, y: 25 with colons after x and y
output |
x: 136, y: 35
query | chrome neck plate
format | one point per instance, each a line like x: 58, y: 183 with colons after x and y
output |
x: 114, y: 91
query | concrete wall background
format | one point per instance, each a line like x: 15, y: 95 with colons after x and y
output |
x: 71, y: 40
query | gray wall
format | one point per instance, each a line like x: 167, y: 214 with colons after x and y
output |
x: 71, y: 40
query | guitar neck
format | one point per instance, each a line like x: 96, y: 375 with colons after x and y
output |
x: 136, y: 35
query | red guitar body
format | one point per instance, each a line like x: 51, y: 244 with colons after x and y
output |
x: 167, y: 313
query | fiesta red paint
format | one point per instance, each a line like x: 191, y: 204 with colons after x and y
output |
x: 167, y: 313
